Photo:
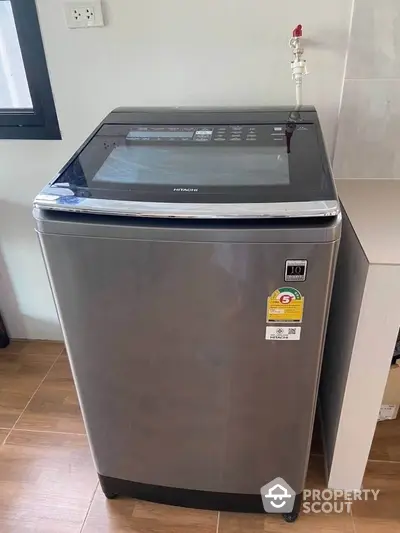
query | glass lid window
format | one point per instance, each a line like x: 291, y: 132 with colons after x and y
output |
x: 195, y: 166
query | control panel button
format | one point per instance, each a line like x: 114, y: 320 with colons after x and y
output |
x: 203, y: 134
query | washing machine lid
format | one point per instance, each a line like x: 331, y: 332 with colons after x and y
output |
x: 221, y: 166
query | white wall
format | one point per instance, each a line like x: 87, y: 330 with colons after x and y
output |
x: 367, y: 143
x: 154, y: 52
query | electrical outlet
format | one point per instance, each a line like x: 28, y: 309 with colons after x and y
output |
x: 84, y: 14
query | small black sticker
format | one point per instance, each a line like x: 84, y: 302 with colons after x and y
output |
x: 296, y: 270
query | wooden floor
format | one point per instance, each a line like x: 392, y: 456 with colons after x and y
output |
x: 48, y: 483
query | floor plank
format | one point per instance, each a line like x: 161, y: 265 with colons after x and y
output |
x: 316, y: 473
x: 33, y: 348
x: 46, y: 482
x: 55, y: 406
x: 386, y: 443
x: 125, y: 515
x: 321, y: 523
x: 20, y: 375
x: 3, y: 435
x: 383, y: 515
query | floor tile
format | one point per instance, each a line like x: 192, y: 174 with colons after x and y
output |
x: 46, y: 482
x: 55, y: 406
x: 3, y: 435
x: 33, y: 347
x: 382, y: 516
x: 20, y: 375
x: 386, y: 443
x: 124, y: 515
x: 318, y: 523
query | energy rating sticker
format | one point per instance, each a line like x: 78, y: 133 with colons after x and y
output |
x: 285, y: 305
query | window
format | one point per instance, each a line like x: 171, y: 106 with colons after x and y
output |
x: 26, y: 102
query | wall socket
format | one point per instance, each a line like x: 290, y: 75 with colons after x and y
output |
x: 84, y: 14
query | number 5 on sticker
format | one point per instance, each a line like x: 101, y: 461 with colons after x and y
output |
x: 285, y: 304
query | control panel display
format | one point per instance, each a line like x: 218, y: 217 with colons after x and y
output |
x: 228, y: 134
x: 161, y: 133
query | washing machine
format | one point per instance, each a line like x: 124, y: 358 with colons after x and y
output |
x: 191, y: 254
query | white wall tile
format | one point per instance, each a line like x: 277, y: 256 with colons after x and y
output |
x: 375, y: 40
x: 369, y: 130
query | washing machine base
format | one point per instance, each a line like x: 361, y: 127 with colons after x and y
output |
x: 213, y: 501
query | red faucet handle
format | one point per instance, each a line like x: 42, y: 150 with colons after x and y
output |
x: 298, y: 31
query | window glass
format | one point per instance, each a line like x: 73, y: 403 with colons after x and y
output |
x: 14, y: 90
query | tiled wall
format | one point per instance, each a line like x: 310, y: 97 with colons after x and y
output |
x: 368, y: 141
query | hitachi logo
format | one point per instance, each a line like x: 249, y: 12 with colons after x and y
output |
x: 184, y: 189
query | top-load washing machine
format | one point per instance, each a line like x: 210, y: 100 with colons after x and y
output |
x: 191, y: 255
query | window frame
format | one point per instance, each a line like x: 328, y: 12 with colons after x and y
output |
x: 41, y: 121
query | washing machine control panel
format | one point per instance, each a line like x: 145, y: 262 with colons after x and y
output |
x: 205, y: 134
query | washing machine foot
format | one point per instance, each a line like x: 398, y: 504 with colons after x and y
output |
x: 290, y: 517
x: 108, y: 491
x: 293, y: 516
x: 110, y: 495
